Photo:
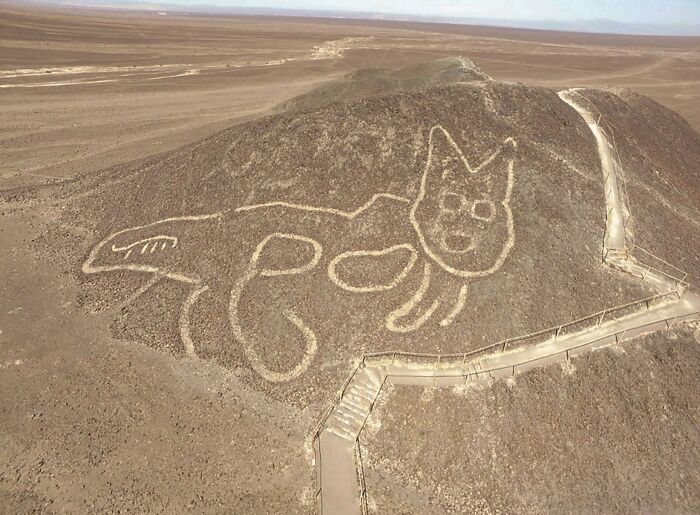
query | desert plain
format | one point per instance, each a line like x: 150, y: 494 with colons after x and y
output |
x: 83, y: 90
x: 171, y: 183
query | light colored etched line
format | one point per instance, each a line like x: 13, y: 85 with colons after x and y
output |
x: 306, y: 332
x: 193, y: 71
x: 248, y: 348
x: 184, y: 322
x: 70, y: 70
x: 510, y: 241
x: 55, y: 84
x: 89, y: 267
x: 477, y: 216
x: 333, y: 276
x: 266, y: 272
x: 153, y: 239
x: 149, y: 284
x: 405, y: 309
x: 339, y: 212
x: 461, y: 155
x: 458, y: 307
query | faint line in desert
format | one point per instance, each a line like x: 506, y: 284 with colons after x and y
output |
x: 458, y: 307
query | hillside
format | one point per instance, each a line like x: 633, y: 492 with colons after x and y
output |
x: 427, y: 210
x: 613, y: 431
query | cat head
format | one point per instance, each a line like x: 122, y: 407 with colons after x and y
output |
x: 462, y: 214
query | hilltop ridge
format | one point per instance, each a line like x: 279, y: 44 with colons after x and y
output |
x: 428, y: 211
x: 336, y: 158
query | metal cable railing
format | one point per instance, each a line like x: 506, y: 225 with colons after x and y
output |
x: 611, y: 139
x: 316, y: 440
x: 442, y: 360
x: 361, y: 478
x: 610, y: 136
x: 619, y: 337
x: 595, y: 319
x: 376, y: 359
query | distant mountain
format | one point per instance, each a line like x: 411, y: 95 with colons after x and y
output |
x: 600, y: 26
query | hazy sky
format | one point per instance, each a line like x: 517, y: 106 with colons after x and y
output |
x: 628, y: 11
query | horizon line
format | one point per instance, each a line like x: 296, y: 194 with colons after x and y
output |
x: 600, y: 26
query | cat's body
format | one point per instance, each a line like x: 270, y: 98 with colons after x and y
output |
x: 459, y: 226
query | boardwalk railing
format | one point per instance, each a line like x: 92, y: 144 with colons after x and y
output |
x: 542, y: 335
x: 441, y: 361
x: 616, y: 337
x: 660, y: 267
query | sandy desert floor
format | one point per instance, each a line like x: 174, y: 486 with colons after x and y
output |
x: 98, y: 414
x: 83, y: 90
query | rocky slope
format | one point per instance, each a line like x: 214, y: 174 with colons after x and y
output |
x: 425, y: 210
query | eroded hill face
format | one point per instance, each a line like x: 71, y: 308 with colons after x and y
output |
x: 436, y: 220
x: 378, y: 81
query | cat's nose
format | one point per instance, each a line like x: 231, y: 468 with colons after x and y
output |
x: 458, y: 242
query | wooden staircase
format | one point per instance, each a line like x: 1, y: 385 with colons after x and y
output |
x: 349, y: 415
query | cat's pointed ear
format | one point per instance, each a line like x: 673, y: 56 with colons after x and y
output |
x: 497, y: 170
x: 445, y: 157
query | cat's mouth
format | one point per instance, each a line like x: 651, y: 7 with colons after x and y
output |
x: 457, y: 242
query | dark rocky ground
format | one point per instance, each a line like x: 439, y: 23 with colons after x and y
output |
x: 339, y: 156
x: 100, y: 408
x: 613, y: 431
x: 659, y: 155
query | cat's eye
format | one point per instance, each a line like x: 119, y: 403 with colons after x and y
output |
x: 451, y: 202
x: 483, y: 210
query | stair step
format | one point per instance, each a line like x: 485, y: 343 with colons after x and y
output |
x: 360, y: 405
x: 340, y: 423
x: 342, y: 434
x: 344, y: 411
x: 366, y: 387
x: 375, y: 375
x: 358, y: 392
x: 352, y: 408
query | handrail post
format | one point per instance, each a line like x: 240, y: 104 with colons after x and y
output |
x: 673, y: 322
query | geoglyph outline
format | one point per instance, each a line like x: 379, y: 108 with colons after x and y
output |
x: 510, y: 242
x: 391, y: 320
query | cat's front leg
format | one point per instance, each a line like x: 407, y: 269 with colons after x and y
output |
x: 435, y: 296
